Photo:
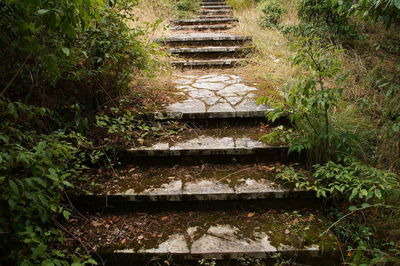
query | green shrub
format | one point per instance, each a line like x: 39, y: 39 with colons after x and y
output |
x: 322, y: 19
x: 352, y: 181
x: 187, y: 5
x: 82, y: 49
x: 310, y: 104
x: 35, y: 170
x: 273, y: 12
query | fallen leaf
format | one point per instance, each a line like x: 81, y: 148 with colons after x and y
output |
x: 131, y: 170
x: 123, y: 241
x: 251, y: 214
x: 164, y: 218
x: 287, y: 231
x: 96, y: 224
x: 140, y: 237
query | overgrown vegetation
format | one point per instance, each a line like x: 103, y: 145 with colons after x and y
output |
x: 64, y: 65
x: 343, y: 116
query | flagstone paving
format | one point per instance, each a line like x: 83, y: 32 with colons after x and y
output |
x: 215, y: 93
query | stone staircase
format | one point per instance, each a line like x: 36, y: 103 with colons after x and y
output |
x: 204, y: 44
x: 211, y: 192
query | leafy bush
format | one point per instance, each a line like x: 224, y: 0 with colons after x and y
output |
x: 273, y: 12
x: 35, y: 170
x: 82, y: 49
x: 322, y: 19
x: 385, y: 11
x: 352, y: 181
x: 187, y: 5
x: 310, y: 104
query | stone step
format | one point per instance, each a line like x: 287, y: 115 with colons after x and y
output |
x: 210, y: 52
x: 216, y: 11
x: 214, y: 63
x: 213, y: 3
x: 204, y: 21
x: 213, y: 16
x: 222, y: 144
x: 212, y: 96
x: 203, y: 27
x: 200, y: 39
x: 206, y: 7
x: 225, y: 185
x: 126, y: 239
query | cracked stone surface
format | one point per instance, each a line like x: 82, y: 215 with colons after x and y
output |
x: 211, y: 189
x: 205, y: 143
x: 217, y: 242
x: 214, y: 93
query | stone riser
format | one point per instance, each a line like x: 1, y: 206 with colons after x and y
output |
x: 216, y: 12
x: 214, y: 21
x: 203, y: 202
x: 121, y: 205
x: 216, y: 7
x: 281, y: 157
x: 205, y: 27
x: 205, y: 43
x: 216, y: 63
x: 314, y: 258
x: 213, y: 55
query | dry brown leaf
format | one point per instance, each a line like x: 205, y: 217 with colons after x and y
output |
x: 164, y: 218
x: 96, y: 224
x: 140, y: 237
x: 123, y: 241
x: 131, y: 170
x: 251, y: 214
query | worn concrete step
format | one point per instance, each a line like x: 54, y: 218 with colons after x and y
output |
x: 203, y: 27
x: 210, y: 52
x: 206, y: 7
x: 216, y: 11
x: 223, y: 143
x: 225, y: 185
x: 184, y: 236
x: 222, y: 3
x: 213, y: 16
x: 213, y: 21
x: 214, y: 1
x: 214, y: 63
x: 204, y: 39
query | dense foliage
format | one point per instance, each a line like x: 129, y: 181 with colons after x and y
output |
x: 61, y: 62
x: 79, y: 49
